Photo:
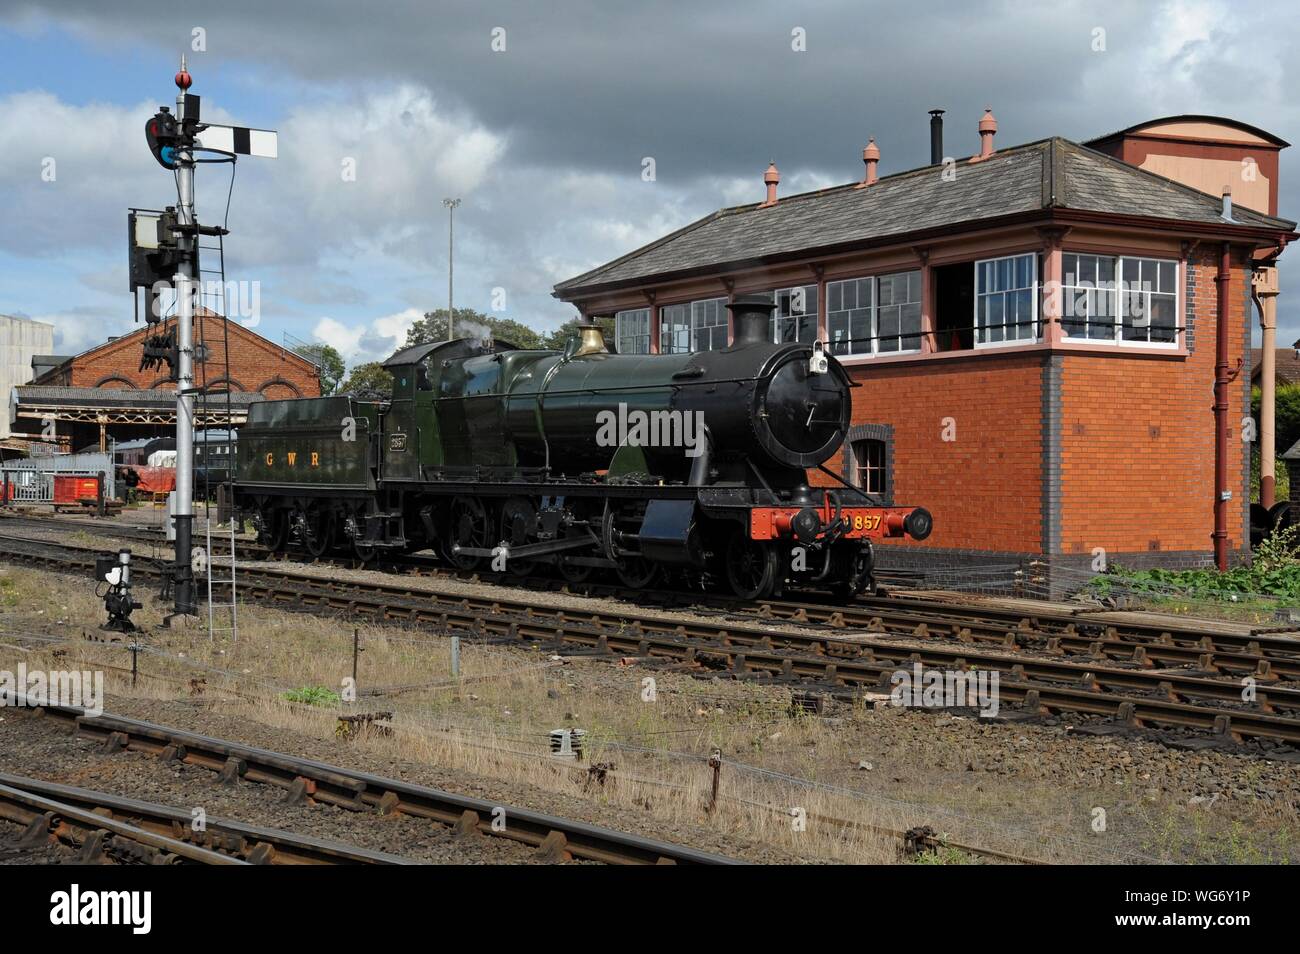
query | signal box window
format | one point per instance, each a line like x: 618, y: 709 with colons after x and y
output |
x: 632, y: 331
x: 876, y: 315
x: 693, y: 326
x: 1006, y: 300
x: 1120, y: 299
x: 795, y: 315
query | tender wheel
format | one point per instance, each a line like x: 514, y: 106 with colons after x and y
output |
x: 355, y: 530
x: 751, y: 567
x: 468, y: 526
x: 365, y: 552
x: 318, y: 531
x: 274, y: 530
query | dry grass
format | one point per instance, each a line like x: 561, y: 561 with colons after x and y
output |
x: 494, y: 721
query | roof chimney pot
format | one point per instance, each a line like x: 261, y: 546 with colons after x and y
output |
x: 988, y: 129
x: 870, y: 156
x: 1227, y: 204
x: 936, y: 136
x: 770, y: 179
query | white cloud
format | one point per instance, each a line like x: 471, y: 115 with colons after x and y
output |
x: 396, y: 326
x: 342, y: 338
x: 80, y: 329
x: 67, y: 173
x: 367, y: 341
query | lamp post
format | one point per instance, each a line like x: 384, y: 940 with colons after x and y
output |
x: 451, y: 237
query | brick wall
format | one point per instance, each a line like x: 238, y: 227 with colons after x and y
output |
x: 1137, y: 438
x: 983, y: 487
x: 256, y: 364
x: 1058, y: 453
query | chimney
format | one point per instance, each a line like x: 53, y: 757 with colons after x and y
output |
x: 751, y: 320
x: 1227, y: 204
x: 988, y: 129
x: 936, y: 136
x: 870, y: 156
x: 770, y: 179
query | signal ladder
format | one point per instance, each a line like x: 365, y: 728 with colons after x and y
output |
x: 223, y: 616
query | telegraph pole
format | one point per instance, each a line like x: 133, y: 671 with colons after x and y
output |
x: 187, y: 241
x: 451, y: 247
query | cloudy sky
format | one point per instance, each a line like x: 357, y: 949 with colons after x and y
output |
x: 545, y: 139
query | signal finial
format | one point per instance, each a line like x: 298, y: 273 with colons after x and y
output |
x: 183, y: 78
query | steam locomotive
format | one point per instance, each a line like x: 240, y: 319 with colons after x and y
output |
x: 582, y: 460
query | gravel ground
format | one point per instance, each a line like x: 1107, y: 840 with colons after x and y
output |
x: 1045, y: 778
x: 48, y: 750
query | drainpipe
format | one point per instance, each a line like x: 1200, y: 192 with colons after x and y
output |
x: 1264, y: 291
x: 1221, y: 492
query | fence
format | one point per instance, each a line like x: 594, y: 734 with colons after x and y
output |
x: 56, y: 480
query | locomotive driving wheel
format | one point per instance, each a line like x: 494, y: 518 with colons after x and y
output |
x: 518, y: 520
x: 852, y: 566
x: 634, y: 571
x: 751, y: 566
x: 468, y: 526
x: 570, y: 571
x: 573, y: 572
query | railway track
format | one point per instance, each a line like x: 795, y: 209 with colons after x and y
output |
x: 1268, y: 652
x: 53, y: 812
x: 843, y: 662
x: 94, y: 837
x: 305, y: 780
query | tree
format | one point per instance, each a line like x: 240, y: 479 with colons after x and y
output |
x: 433, y: 327
x: 1286, y: 432
x: 370, y: 381
x: 330, y: 363
x: 557, y: 339
x: 1286, y: 414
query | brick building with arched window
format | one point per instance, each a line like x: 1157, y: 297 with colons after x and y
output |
x: 103, y: 394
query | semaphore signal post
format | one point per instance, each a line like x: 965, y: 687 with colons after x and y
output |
x: 164, y: 250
